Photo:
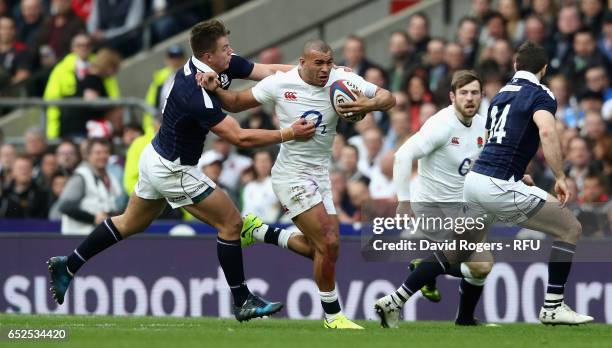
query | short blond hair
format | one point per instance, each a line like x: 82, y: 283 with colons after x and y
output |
x: 106, y: 57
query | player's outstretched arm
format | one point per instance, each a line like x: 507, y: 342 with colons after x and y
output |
x: 261, y: 71
x: 236, y: 101
x: 383, y: 100
x: 552, y: 151
x: 230, y: 130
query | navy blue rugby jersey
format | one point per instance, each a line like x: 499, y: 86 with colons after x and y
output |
x: 190, y: 111
x: 513, y: 135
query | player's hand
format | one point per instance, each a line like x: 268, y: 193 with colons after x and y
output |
x: 562, y: 191
x: 208, y: 80
x: 528, y: 180
x: 362, y: 104
x: 345, y: 68
x: 302, y: 129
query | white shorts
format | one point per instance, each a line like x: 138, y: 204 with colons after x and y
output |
x: 508, y: 201
x: 180, y: 185
x: 300, y: 191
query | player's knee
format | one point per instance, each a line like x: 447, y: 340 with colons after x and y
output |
x: 480, y: 270
x: 576, y: 230
x: 230, y: 228
x: 329, y: 244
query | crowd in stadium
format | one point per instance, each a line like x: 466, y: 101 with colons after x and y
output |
x: 38, y: 182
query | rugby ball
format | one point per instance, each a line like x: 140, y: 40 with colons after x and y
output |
x: 340, y: 92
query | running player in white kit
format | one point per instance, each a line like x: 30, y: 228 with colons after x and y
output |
x: 445, y: 147
x: 300, y: 176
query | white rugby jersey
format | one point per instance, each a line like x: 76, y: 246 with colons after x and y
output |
x: 449, y: 149
x: 294, y: 99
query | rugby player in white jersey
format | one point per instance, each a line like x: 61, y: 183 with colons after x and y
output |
x: 300, y: 176
x: 445, y: 148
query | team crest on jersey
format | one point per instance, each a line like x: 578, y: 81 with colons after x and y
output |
x: 455, y: 140
x: 479, y: 142
x: 224, y: 80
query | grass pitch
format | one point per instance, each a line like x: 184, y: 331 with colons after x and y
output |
x: 136, y: 332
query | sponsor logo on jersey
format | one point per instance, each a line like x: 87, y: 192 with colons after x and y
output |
x: 455, y: 140
x: 479, y: 142
x: 290, y: 96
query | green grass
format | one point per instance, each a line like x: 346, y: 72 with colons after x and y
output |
x: 135, y: 332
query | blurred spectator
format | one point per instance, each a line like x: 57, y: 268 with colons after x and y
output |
x: 337, y: 146
x: 342, y: 202
x: 467, y: 37
x: 605, y: 42
x: 399, y: 132
x: 547, y: 11
x: 372, y: 142
x: 212, y: 166
x: 48, y: 168
x: 602, y: 151
x: 63, y: 80
x: 57, y: 32
x: 491, y: 84
x: 347, y: 163
x: 566, y: 103
x: 434, y: 63
x: 418, y: 94
x: 427, y: 110
x: 418, y: 32
x: 400, y: 50
x: 536, y: 32
x: 515, y: 25
x: 15, y: 60
x: 23, y: 198
x: 359, y: 194
x: 594, y: 127
x: 592, y: 14
x: 164, y: 25
x: 597, y: 80
x: 233, y: 163
x: 354, y: 55
x: 568, y: 23
x: 453, y: 60
x: 481, y: 8
x: 271, y: 55
x: 578, y: 158
x: 378, y: 77
x: 258, y: 196
x: 588, y: 101
x: 162, y: 81
x: 256, y: 118
x: 29, y: 22
x: 91, y: 195
x: 381, y: 183
x: 113, y: 22
x: 497, y: 60
x: 594, y: 205
x: 58, y: 182
x: 494, y: 29
x: 100, y: 122
x: 68, y: 158
x: 8, y: 154
x: 35, y: 146
x: 585, y: 53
